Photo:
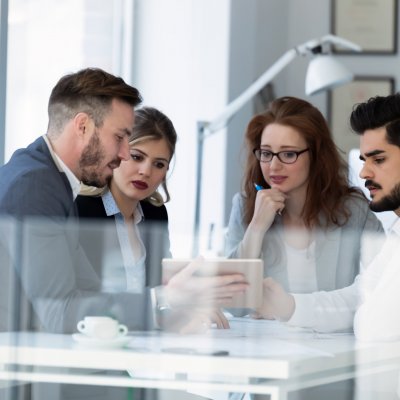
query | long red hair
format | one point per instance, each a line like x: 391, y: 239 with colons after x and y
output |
x: 328, y: 185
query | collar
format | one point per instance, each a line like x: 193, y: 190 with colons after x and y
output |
x: 112, y: 209
x: 395, y: 228
x: 62, y: 167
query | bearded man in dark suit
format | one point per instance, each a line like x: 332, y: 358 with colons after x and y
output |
x: 91, y: 117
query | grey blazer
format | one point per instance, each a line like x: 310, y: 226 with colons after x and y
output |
x: 51, y: 266
x: 339, y: 250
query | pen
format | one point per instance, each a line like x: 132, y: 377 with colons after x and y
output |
x: 258, y: 188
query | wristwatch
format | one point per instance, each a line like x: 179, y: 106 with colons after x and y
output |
x: 161, y: 308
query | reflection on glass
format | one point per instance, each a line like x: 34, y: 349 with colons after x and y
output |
x: 65, y: 284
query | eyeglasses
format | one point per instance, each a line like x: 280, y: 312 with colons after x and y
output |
x: 286, y: 156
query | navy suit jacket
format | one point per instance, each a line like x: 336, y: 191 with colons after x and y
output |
x: 32, y: 185
x: 54, y: 272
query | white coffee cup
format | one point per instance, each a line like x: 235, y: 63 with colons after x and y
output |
x: 105, y: 328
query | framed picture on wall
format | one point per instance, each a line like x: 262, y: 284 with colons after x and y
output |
x: 372, y: 24
x: 342, y: 100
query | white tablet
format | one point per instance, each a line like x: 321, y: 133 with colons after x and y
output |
x: 252, y: 269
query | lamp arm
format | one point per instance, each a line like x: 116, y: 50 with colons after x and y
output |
x: 333, y: 39
x: 302, y: 49
x: 253, y: 89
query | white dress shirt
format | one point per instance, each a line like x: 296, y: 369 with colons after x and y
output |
x: 330, y: 311
x: 62, y: 167
x: 378, y: 317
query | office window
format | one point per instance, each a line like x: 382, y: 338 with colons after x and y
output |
x: 47, y: 39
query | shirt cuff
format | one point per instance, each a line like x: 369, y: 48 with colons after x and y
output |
x: 303, y: 315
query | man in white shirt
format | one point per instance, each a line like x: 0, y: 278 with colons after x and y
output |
x: 375, y: 292
x: 378, y: 123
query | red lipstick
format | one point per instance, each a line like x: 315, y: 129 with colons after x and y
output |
x: 140, y: 185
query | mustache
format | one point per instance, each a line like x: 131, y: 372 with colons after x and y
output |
x: 369, y: 183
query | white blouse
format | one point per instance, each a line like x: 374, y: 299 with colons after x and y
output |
x: 301, y: 269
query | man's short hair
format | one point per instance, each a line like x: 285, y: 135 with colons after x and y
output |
x: 377, y: 112
x: 89, y: 90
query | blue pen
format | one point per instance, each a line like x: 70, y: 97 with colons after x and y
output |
x: 258, y: 188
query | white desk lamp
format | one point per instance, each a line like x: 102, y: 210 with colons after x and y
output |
x: 324, y: 72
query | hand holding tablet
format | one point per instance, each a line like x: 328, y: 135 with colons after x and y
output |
x: 238, y: 283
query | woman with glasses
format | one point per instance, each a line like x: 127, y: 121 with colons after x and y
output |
x: 297, y: 211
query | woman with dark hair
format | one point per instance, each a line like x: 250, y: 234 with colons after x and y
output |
x: 297, y: 211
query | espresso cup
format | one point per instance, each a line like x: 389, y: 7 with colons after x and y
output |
x: 104, y: 328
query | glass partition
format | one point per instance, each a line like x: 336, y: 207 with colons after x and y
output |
x: 76, y: 314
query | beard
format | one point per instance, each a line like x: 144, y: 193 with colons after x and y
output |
x: 90, y: 163
x: 390, y: 202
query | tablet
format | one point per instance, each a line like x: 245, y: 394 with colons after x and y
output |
x: 252, y: 269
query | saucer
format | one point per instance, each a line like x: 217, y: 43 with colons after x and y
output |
x: 84, y: 340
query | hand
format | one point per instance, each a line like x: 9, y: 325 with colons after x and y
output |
x: 192, y: 320
x: 277, y: 303
x: 202, y: 319
x: 187, y: 289
x: 268, y: 203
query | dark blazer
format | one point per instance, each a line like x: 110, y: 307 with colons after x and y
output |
x: 96, y: 242
x: 32, y: 185
x: 54, y: 272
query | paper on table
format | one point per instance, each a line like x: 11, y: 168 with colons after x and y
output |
x: 252, y: 335
x: 262, y: 339
x: 248, y: 327
x: 246, y: 338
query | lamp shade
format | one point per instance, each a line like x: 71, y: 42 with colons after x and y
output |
x: 325, y: 72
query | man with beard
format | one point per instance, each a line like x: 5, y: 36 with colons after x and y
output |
x: 375, y: 292
x: 91, y: 116
x: 377, y: 121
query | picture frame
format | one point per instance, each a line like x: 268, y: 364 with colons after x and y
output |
x: 341, y: 101
x: 372, y: 24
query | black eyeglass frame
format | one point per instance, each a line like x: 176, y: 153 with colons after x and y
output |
x: 257, y: 153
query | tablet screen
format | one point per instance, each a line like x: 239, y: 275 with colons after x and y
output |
x: 252, y: 269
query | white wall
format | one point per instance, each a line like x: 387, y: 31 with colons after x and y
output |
x: 181, y: 68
